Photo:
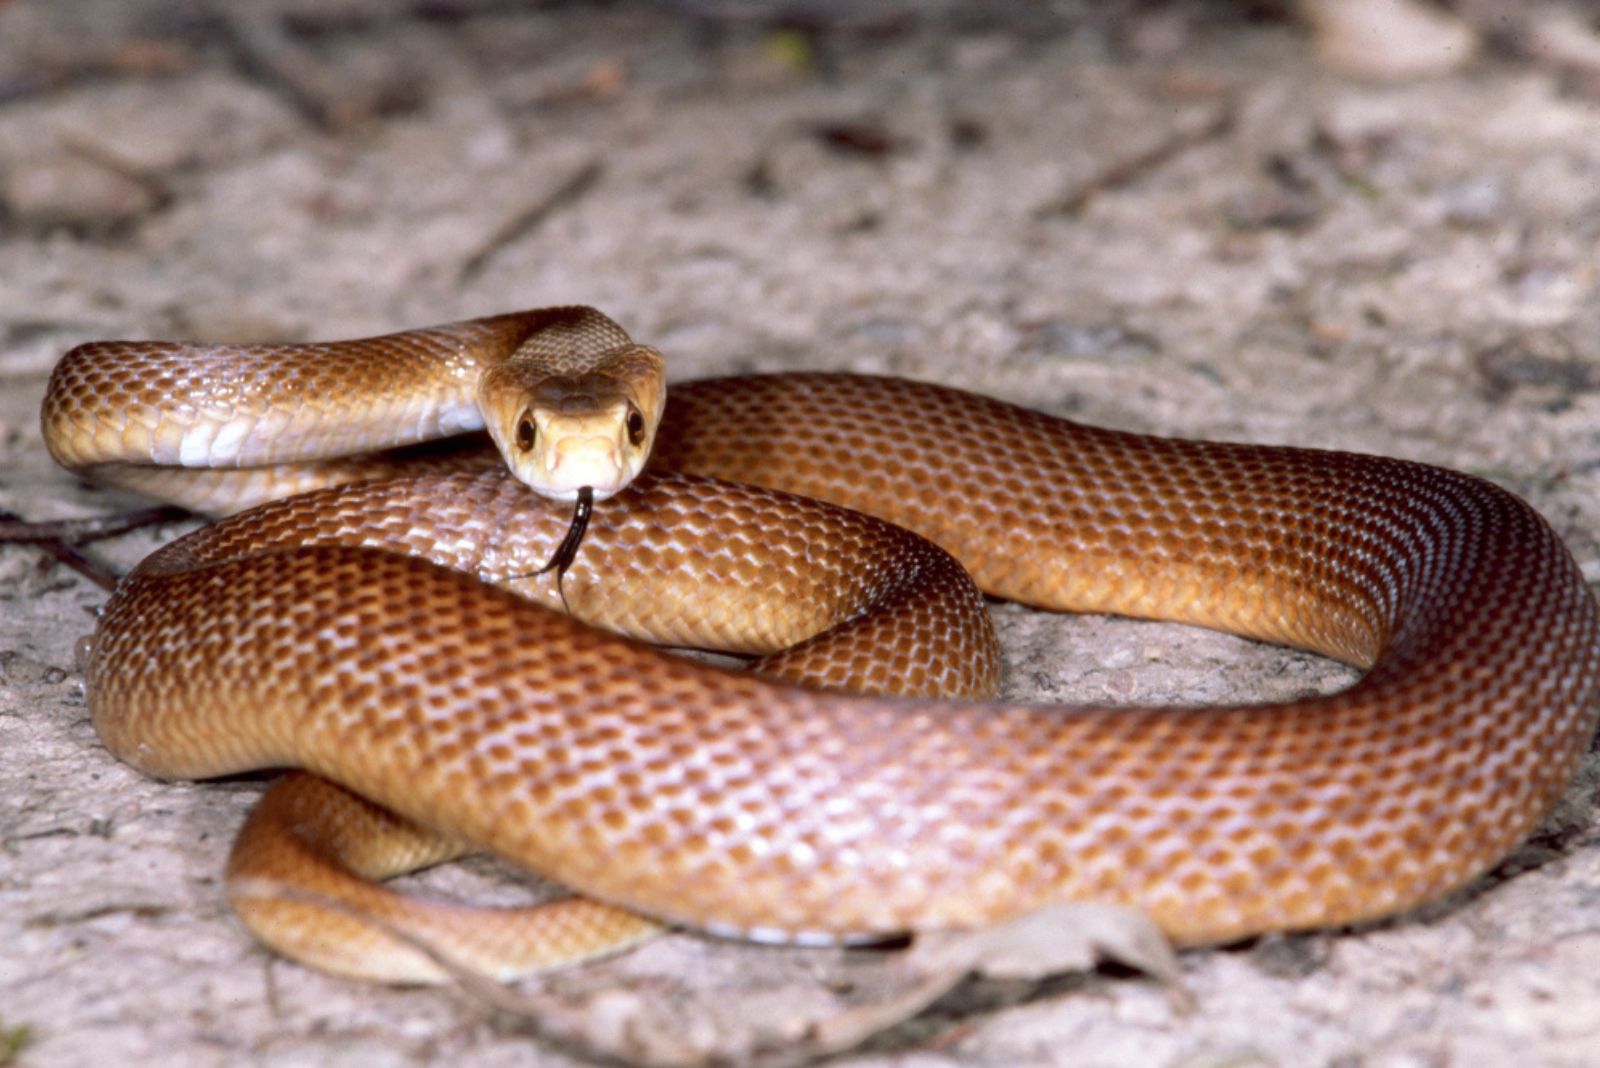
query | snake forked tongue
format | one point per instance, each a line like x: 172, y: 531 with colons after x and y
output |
x: 567, y: 551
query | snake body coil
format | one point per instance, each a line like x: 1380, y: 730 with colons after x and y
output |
x: 742, y: 805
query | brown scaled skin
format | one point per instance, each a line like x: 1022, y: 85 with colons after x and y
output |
x: 743, y: 806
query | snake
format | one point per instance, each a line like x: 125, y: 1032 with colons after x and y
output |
x: 379, y: 629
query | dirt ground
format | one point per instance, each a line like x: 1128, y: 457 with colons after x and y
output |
x: 1163, y: 217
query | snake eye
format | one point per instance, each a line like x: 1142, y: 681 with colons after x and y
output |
x: 635, y: 426
x: 527, y: 432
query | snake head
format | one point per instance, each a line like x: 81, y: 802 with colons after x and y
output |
x: 562, y: 430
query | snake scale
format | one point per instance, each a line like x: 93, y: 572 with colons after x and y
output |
x: 752, y: 806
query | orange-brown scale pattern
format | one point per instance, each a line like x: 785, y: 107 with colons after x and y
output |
x: 746, y: 806
x: 304, y: 874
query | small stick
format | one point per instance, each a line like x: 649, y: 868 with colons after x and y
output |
x: 101, y: 156
x: 531, y: 218
x: 1124, y: 172
x: 266, y: 53
x: 93, y: 528
x: 60, y: 538
x: 91, y: 569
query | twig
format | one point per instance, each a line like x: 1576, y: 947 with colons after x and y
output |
x: 91, y: 569
x: 531, y: 218
x: 101, y: 156
x: 92, y: 528
x: 61, y: 538
x: 266, y: 52
x: 1125, y: 172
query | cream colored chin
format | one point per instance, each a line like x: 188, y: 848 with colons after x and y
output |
x: 574, y: 453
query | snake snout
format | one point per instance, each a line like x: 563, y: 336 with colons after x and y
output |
x: 573, y: 461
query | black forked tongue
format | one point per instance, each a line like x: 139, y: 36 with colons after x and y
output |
x: 567, y: 551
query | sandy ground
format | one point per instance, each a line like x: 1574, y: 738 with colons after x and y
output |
x: 1155, y: 217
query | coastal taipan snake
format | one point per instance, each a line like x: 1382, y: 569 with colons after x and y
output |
x: 730, y: 803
